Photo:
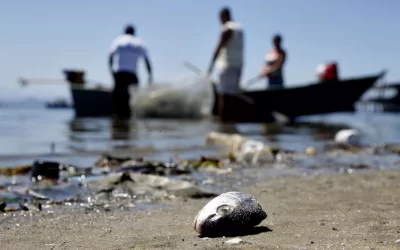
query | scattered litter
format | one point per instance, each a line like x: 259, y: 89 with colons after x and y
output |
x: 348, y: 136
x: 311, y: 151
x: 241, y: 148
x: 234, y: 241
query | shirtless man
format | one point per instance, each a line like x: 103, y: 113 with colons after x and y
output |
x: 274, y: 62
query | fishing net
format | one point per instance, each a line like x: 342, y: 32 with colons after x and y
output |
x: 191, y: 97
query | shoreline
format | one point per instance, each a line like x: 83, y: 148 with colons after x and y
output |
x: 346, y: 211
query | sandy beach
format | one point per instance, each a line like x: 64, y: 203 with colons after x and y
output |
x: 360, y: 211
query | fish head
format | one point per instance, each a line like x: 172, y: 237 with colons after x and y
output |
x: 215, y: 211
x: 228, y: 212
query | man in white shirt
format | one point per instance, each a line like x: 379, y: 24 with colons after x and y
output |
x: 126, y: 49
x: 228, y: 57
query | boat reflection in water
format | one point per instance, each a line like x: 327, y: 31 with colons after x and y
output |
x: 58, y: 103
x: 101, y: 134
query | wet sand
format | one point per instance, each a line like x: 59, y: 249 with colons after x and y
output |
x: 360, y: 211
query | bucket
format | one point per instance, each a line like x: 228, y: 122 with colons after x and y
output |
x: 328, y: 72
x: 74, y: 76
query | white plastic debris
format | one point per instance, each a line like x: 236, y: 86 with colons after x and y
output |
x: 348, y: 136
x: 251, y: 151
x: 234, y: 241
x: 242, y: 148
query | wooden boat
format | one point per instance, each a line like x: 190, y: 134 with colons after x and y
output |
x: 312, y: 99
x: 316, y: 98
x: 92, y: 102
x: 391, y: 103
x: 88, y: 102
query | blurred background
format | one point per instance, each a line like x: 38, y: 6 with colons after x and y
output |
x: 39, y: 39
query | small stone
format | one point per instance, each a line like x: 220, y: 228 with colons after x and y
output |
x: 334, y: 229
x: 311, y: 151
x: 194, y: 244
x: 398, y: 244
x: 312, y: 242
x: 234, y: 241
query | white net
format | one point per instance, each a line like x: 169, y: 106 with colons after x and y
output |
x: 191, y: 97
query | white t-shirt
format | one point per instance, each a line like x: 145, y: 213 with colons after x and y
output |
x: 231, y: 55
x: 126, y: 50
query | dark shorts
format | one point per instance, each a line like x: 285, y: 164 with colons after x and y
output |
x: 276, y: 82
x: 121, y: 95
x: 227, y: 107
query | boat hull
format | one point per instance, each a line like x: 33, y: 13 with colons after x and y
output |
x: 92, y: 102
x: 318, y: 98
x: 388, y: 104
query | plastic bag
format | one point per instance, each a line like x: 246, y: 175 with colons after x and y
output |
x: 191, y: 97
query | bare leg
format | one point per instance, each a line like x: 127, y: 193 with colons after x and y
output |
x: 221, y: 106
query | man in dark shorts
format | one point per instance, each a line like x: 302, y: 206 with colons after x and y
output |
x: 126, y: 49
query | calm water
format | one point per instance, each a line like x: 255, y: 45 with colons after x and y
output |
x: 26, y: 134
x: 29, y: 132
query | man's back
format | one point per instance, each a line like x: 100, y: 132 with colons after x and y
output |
x: 126, y: 50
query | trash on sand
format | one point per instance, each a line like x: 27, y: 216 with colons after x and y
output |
x: 20, y: 170
x: 107, y: 160
x: 234, y: 241
x: 139, y: 165
x: 146, y: 185
x: 229, y: 213
x: 204, y: 162
x: 348, y: 136
x: 311, y: 151
x: 242, y: 148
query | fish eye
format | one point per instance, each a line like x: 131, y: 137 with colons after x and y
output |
x: 224, y: 209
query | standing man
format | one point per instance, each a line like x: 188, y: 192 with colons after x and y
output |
x: 274, y: 62
x: 229, y: 60
x: 126, y: 49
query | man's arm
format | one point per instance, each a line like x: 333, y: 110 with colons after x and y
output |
x: 110, y: 61
x: 225, y: 35
x: 149, y: 69
x: 113, y: 49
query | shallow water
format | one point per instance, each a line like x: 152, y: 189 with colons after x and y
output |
x: 27, y: 134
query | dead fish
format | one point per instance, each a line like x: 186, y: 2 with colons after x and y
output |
x: 227, y: 213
